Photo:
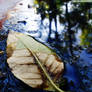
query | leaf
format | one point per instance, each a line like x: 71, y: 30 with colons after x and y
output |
x: 26, y: 59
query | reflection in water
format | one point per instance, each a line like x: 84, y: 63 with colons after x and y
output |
x: 67, y: 31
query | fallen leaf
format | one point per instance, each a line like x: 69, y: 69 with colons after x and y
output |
x: 32, y: 62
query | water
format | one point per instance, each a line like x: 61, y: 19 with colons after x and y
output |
x: 77, y: 60
x: 78, y: 74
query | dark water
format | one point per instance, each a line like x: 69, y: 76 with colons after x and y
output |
x: 74, y: 50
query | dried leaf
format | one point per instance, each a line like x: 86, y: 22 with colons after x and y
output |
x: 33, y: 62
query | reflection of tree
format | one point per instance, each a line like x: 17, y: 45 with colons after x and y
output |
x: 86, y: 26
x: 73, y: 19
x: 79, y: 18
x: 50, y: 9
